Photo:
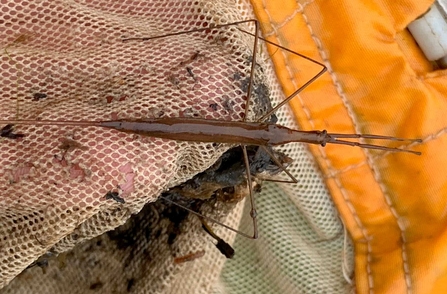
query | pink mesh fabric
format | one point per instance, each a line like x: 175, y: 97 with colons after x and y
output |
x: 64, y: 60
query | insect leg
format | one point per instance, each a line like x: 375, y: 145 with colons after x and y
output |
x: 252, y: 70
x: 300, y: 89
x: 223, y: 246
x: 281, y: 166
x: 204, y: 216
x: 253, y: 212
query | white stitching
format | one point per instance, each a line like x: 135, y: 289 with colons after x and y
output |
x: 280, y: 25
x: 287, y: 19
x: 432, y: 137
x: 345, y: 102
x: 369, y: 160
x: 323, y: 153
x: 402, y: 229
x: 378, y: 179
x: 342, y: 189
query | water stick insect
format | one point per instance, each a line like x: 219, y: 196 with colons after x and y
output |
x: 243, y: 133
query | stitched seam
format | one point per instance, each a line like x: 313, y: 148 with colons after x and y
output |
x: 400, y: 225
x: 338, y: 183
x: 386, y: 153
x: 287, y: 19
x: 280, y: 25
x: 379, y: 181
x: 432, y: 137
x: 426, y: 139
x: 323, y: 153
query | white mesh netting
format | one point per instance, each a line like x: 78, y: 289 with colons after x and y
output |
x: 66, y: 60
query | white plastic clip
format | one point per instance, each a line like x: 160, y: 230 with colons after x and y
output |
x: 430, y: 32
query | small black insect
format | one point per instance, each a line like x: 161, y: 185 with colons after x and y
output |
x: 214, y: 106
x: 114, y: 196
x: 189, y: 70
x: 7, y: 132
x: 39, y: 96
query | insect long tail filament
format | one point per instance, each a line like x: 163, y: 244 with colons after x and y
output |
x: 334, y: 138
x: 279, y: 135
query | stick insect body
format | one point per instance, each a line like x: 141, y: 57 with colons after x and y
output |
x: 218, y: 131
x: 258, y: 133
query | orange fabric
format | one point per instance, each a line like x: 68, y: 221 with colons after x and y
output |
x: 394, y: 205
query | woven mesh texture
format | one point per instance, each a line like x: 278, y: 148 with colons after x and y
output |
x: 66, y: 60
